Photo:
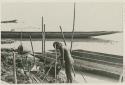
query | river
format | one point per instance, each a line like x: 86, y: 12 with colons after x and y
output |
x: 111, y: 44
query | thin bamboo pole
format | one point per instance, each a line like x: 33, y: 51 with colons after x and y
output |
x: 73, y: 36
x: 32, y: 47
x: 44, y: 38
x: 21, y: 38
x: 63, y: 41
x: 14, y: 68
x: 73, y: 29
x: 55, y: 65
x: 63, y: 35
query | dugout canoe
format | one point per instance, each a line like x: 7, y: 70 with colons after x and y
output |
x: 93, y: 62
x: 50, y: 35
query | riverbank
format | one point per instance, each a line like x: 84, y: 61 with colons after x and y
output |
x: 7, y: 41
x: 7, y: 67
x: 7, y: 70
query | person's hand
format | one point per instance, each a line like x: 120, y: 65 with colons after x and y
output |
x: 56, y: 63
x: 12, y: 49
x: 63, y: 61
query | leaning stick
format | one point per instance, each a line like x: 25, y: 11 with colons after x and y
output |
x: 21, y: 38
x: 73, y: 29
x: 32, y: 47
x: 63, y: 50
x: 63, y: 35
x: 63, y: 41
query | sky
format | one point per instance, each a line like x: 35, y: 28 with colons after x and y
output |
x: 90, y: 16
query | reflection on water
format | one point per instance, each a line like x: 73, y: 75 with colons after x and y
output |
x: 98, y: 40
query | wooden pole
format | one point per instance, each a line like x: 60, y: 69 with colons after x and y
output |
x: 63, y: 35
x: 73, y: 29
x: 63, y: 41
x: 14, y: 68
x: 32, y: 47
x: 21, y: 38
x: 44, y: 38
x: 73, y: 36
x: 55, y: 66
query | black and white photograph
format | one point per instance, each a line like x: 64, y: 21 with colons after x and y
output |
x: 62, y: 41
